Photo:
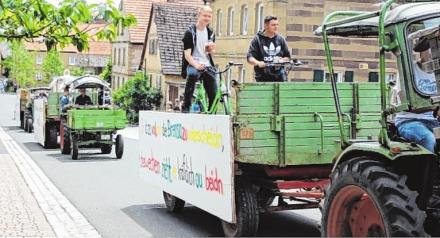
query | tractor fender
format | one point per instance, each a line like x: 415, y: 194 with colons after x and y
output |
x: 375, y: 150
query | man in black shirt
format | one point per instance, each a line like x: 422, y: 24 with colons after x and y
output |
x: 83, y: 99
x: 268, y: 46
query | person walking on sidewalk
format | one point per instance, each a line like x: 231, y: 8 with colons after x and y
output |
x: 198, y: 47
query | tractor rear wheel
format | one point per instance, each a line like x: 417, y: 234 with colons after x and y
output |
x: 64, y: 139
x: 106, y: 149
x: 29, y: 125
x: 365, y: 198
x: 74, y: 148
x: 246, y: 207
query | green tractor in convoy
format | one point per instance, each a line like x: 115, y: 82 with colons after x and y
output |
x: 388, y: 186
x: 309, y: 145
x: 91, y: 126
x: 46, y: 113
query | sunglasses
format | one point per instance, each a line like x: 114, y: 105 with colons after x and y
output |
x: 270, y: 18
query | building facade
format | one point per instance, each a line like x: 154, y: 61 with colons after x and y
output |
x: 164, y: 47
x: 237, y: 21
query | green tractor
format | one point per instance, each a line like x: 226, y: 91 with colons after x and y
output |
x: 94, y: 125
x: 33, y: 94
x: 389, y: 186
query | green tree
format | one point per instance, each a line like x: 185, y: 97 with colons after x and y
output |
x: 135, y: 95
x: 106, y: 74
x: 52, y: 65
x: 68, y: 23
x: 21, y: 65
x: 77, y: 71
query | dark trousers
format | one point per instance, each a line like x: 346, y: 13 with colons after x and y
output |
x: 279, y: 77
x: 193, y: 75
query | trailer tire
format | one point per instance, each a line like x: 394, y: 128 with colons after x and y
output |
x: 119, y: 146
x: 65, y: 136
x: 246, y: 205
x: 106, y: 149
x: 29, y: 125
x: 74, y: 148
x: 173, y: 203
x: 50, y: 137
x: 364, y: 198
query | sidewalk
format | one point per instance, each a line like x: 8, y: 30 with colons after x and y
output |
x: 30, y: 204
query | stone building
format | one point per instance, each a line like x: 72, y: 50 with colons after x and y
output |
x: 237, y: 21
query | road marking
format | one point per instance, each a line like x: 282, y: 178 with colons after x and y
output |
x: 64, y: 218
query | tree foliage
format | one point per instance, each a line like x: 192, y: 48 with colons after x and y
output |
x: 68, y: 23
x: 21, y: 65
x: 52, y: 65
x: 136, y: 95
x: 77, y: 71
x: 106, y: 74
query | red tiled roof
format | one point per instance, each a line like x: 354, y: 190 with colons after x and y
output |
x: 140, y: 9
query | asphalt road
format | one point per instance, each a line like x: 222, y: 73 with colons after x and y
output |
x: 109, y: 193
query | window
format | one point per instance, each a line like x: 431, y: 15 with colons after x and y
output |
x: 72, y: 60
x: 123, y: 56
x: 39, y: 59
x: 219, y: 22
x: 373, y: 77
x: 349, y: 76
x: 336, y: 75
x: 244, y: 20
x: 259, y: 17
x: 122, y: 29
x: 318, y: 75
x: 152, y: 46
x: 119, y: 56
x: 242, y: 75
x: 38, y: 76
x: 158, y: 81
x: 114, y: 56
x: 231, y: 12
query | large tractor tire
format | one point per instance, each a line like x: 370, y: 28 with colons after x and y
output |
x: 364, y: 198
x: 64, y: 140
x: 173, y: 204
x: 106, y: 149
x: 29, y: 125
x: 119, y: 146
x: 22, y: 122
x: 50, y: 136
x: 246, y: 206
x: 74, y: 148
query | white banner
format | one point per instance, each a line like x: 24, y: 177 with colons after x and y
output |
x: 189, y: 156
x: 39, y: 120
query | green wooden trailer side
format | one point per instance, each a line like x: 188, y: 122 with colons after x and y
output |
x: 296, y: 124
x: 96, y: 119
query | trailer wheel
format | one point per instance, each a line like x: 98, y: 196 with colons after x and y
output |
x: 106, y: 149
x: 29, y: 125
x: 173, y: 204
x: 64, y: 140
x: 74, y: 148
x: 50, y: 137
x: 119, y: 146
x: 246, y: 206
x: 364, y: 198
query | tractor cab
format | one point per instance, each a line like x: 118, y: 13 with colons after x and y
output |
x: 398, y: 29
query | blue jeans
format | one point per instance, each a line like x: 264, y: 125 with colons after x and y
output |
x: 209, y: 83
x: 419, y: 132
